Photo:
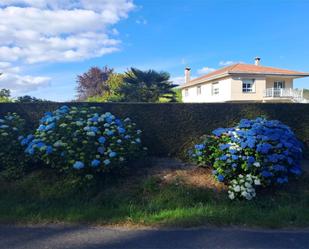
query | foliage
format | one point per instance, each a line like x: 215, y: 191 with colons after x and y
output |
x: 140, y: 198
x: 11, y: 152
x: 170, y: 128
x: 5, y: 95
x: 93, y: 82
x: 255, y: 152
x: 147, y: 86
x: 178, y: 96
x: 82, y: 141
x: 114, y: 82
x: 29, y: 99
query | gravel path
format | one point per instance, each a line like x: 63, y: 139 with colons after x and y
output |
x: 82, y: 237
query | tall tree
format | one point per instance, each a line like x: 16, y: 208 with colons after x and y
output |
x: 114, y: 82
x: 147, y: 86
x: 93, y: 82
x: 5, y: 95
x: 29, y: 99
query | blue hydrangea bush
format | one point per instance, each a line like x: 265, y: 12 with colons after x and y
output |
x: 81, y: 139
x: 254, y: 154
x: 12, y: 160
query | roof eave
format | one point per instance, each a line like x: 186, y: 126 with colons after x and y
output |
x: 204, y: 80
x: 272, y: 74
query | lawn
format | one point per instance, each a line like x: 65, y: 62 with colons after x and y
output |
x: 142, y: 197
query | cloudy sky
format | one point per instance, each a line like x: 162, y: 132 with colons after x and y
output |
x: 44, y: 44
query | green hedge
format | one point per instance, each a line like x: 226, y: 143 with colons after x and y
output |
x: 168, y: 128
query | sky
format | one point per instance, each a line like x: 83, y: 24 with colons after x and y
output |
x: 45, y: 44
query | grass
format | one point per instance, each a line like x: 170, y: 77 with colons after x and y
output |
x: 144, y: 200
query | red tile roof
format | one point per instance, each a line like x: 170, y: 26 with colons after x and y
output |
x: 244, y: 69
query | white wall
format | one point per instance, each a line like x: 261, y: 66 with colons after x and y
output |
x: 206, y: 92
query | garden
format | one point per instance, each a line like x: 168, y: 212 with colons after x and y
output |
x: 154, y: 164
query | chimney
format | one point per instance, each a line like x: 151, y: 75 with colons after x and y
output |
x: 257, y: 61
x: 187, y: 74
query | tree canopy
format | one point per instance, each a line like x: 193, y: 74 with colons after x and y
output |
x: 147, y: 86
x: 93, y: 82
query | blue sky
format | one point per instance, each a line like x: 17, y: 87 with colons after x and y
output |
x: 156, y: 34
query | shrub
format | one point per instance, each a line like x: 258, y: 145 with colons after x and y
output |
x: 12, y: 160
x: 81, y: 140
x: 254, y: 153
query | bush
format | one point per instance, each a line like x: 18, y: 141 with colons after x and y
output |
x: 254, y: 153
x: 83, y: 141
x: 12, y: 159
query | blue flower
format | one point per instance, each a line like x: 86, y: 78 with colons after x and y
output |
x: 109, y: 119
x: 40, y: 144
x: 251, y: 160
x: 234, y: 157
x: 110, y: 133
x: 199, y: 146
x: 94, y: 119
x: 101, y: 150
x: 263, y: 148
x: 106, y: 161
x: 218, y: 132
x: 220, y: 178
x: 93, y: 129
x: 102, y: 140
x: 278, y: 167
x: 223, y: 158
x: 78, y: 165
x: 282, y: 180
x: 251, y: 143
x: 112, y: 154
x: 233, y: 151
x: 50, y: 126
x: 49, y: 150
x: 266, y: 173
x: 42, y: 128
x: 121, y: 130
x: 224, y: 146
x: 95, y: 163
x: 244, y: 123
x: 296, y: 170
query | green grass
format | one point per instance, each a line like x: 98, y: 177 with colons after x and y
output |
x: 144, y: 200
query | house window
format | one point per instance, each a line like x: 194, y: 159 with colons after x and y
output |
x: 215, y: 88
x: 247, y: 86
x: 279, y: 84
x: 186, y: 92
x: 198, y: 90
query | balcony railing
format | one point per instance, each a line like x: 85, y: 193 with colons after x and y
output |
x: 294, y: 94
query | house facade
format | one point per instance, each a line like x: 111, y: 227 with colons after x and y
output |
x: 243, y: 82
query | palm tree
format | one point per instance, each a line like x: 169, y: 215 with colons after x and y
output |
x: 147, y: 86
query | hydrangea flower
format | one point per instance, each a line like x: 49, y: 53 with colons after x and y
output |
x: 78, y: 165
x: 74, y: 138
x: 265, y: 152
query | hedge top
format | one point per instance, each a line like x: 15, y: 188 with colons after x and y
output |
x: 170, y: 127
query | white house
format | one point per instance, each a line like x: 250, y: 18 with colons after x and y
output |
x: 243, y: 82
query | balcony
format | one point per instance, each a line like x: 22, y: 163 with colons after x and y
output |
x: 294, y: 95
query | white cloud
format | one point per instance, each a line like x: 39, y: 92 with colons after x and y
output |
x: 228, y: 63
x: 34, y: 31
x: 178, y: 80
x: 205, y: 70
x: 52, y: 30
x: 17, y: 83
